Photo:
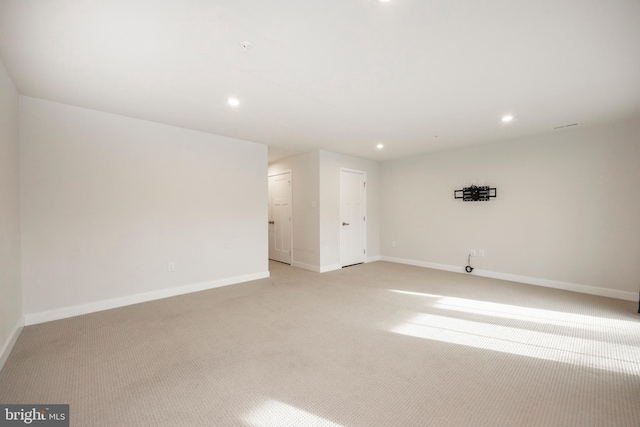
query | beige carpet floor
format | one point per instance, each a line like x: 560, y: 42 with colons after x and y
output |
x: 379, y: 344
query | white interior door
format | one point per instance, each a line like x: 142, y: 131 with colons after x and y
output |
x: 280, y: 217
x: 353, y: 226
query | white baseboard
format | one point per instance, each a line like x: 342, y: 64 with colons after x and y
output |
x: 8, y: 345
x: 304, y: 266
x: 331, y: 267
x: 453, y: 268
x: 373, y: 259
x: 326, y: 268
x: 555, y: 284
x: 62, y: 313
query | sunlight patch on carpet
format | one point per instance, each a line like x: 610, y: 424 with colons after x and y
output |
x: 273, y: 413
x: 520, y: 313
x: 541, y: 345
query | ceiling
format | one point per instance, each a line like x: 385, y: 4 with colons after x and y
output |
x: 339, y: 75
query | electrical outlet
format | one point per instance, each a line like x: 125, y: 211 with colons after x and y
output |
x: 472, y: 252
x: 481, y: 252
x: 171, y: 266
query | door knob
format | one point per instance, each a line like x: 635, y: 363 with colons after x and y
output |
x: 345, y: 223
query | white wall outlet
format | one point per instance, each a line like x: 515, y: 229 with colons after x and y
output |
x: 472, y: 252
x: 393, y: 244
x: 171, y: 266
x: 480, y: 252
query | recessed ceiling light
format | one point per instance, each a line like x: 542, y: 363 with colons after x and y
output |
x: 234, y: 102
x: 507, y: 118
x: 384, y: 1
x: 380, y: 146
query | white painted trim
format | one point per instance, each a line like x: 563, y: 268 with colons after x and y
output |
x: 374, y: 258
x: 8, y: 345
x: 62, y: 313
x: 331, y: 267
x: 555, y: 284
x: 316, y: 269
x: 304, y: 266
x: 424, y: 264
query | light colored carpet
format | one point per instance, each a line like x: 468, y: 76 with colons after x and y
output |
x: 379, y: 344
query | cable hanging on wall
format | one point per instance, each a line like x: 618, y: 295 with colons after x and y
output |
x: 468, y: 268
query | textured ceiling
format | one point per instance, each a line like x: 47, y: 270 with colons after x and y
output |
x: 339, y: 75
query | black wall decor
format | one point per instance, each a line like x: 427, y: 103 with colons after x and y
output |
x: 475, y: 194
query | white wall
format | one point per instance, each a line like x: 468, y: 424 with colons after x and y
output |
x: 330, y: 164
x: 107, y: 201
x: 11, y: 319
x: 567, y: 213
x: 306, y: 218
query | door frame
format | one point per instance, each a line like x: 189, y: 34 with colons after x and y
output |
x: 283, y: 172
x: 364, y: 210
